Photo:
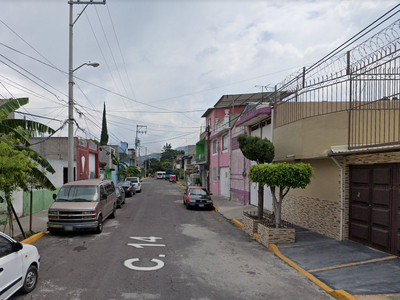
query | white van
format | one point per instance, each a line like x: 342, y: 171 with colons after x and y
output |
x: 160, y: 175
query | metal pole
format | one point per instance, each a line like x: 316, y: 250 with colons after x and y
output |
x: 145, y: 163
x: 70, y: 100
x: 136, y: 142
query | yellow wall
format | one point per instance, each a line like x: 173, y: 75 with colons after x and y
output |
x: 326, y: 181
x: 311, y: 137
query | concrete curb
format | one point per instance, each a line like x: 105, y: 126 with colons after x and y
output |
x: 338, y: 294
x: 34, y: 237
x: 237, y: 223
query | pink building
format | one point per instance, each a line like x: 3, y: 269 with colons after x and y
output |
x: 219, y: 121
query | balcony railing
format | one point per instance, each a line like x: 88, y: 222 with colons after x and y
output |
x: 201, y: 158
x: 222, y: 125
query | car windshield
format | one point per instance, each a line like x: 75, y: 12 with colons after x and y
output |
x: 124, y: 183
x: 77, y: 194
x: 201, y: 192
x: 133, y: 179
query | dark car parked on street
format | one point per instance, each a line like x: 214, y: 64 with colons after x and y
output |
x: 120, y: 196
x: 197, y: 197
x: 128, y: 187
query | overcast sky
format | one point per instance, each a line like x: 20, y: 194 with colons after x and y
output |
x: 162, y: 63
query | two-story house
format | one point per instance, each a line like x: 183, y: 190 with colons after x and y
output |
x: 219, y: 121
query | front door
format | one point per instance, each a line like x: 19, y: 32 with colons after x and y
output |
x: 225, y: 182
x: 374, y: 206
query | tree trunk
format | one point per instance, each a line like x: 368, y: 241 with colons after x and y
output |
x: 278, y: 214
x: 274, y: 202
x: 260, y: 201
x: 30, y: 211
x: 9, y: 213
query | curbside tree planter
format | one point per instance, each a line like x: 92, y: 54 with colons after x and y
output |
x: 272, y: 229
x: 250, y: 224
x: 262, y: 151
x: 271, y: 235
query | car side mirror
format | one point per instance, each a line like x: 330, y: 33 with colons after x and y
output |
x: 54, y: 196
x: 185, y: 193
x: 18, y: 246
x: 104, y: 196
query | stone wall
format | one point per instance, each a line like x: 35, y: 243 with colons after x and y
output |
x: 315, y: 214
x: 268, y: 235
x: 249, y: 225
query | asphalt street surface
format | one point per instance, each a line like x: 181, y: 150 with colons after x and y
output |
x: 157, y: 249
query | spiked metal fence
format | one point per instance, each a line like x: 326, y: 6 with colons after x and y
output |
x: 364, y: 81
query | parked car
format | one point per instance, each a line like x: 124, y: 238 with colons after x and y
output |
x: 19, y: 266
x: 197, y: 197
x: 128, y: 187
x: 136, y: 182
x: 120, y: 196
x: 83, y: 206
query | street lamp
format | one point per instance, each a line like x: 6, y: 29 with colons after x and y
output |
x: 71, y: 116
x: 94, y: 64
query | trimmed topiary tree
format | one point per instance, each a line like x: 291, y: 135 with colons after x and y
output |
x: 284, y: 176
x: 262, y: 151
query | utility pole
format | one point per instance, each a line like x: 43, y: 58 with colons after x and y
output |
x: 137, y: 141
x: 71, y: 83
x: 145, y: 163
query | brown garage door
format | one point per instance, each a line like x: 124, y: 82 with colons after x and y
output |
x: 374, y: 206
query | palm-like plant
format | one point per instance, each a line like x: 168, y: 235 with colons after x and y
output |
x: 16, y: 132
x: 21, y: 130
x: 118, y: 161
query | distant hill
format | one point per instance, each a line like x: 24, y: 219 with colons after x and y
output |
x: 149, y: 156
x: 158, y: 155
x: 183, y: 148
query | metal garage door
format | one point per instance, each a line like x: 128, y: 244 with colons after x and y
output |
x: 374, y: 206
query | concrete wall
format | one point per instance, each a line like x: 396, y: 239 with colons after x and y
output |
x: 312, y: 137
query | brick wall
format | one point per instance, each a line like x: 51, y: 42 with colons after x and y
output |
x: 315, y: 214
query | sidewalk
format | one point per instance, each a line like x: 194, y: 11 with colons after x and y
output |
x: 39, y: 221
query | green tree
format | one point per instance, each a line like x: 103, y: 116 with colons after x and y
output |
x: 167, y: 152
x: 262, y: 151
x: 153, y: 164
x: 16, y: 133
x: 15, y: 166
x: 21, y: 130
x: 284, y: 176
x: 104, y: 131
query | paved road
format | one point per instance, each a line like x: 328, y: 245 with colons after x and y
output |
x: 156, y: 249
